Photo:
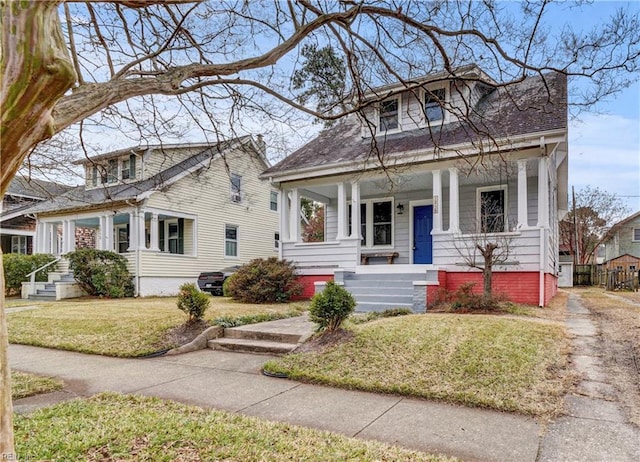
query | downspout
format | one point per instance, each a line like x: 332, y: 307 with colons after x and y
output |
x: 543, y: 258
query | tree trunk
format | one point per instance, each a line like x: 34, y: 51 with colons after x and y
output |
x: 36, y: 71
x: 487, y: 276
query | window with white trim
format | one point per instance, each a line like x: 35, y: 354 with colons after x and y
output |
x: 236, y: 188
x: 276, y: 241
x: 19, y: 244
x: 112, y: 171
x: 636, y: 234
x: 129, y: 168
x: 273, y: 201
x: 389, y: 115
x: 230, y: 241
x: 491, y: 209
x: 434, y: 104
x: 376, y: 223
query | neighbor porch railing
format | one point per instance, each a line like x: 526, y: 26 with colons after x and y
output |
x: 32, y: 275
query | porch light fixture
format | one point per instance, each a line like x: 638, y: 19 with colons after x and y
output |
x: 400, y: 208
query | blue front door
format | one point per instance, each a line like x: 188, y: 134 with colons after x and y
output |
x: 422, y: 240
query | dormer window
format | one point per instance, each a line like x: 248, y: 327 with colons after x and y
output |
x: 433, y: 104
x: 389, y: 112
x: 129, y: 168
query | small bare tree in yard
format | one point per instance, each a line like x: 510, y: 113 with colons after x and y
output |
x: 489, y: 246
x: 155, y: 68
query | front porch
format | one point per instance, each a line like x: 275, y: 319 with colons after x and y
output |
x: 421, y: 222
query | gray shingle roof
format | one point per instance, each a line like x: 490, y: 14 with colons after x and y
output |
x: 80, y: 197
x: 537, y: 104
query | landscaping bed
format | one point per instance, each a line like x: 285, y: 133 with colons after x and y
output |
x: 110, y: 427
x: 128, y: 327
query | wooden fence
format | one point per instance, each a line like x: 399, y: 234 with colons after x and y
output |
x: 618, y: 279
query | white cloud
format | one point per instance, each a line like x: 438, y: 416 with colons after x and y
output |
x: 604, y: 151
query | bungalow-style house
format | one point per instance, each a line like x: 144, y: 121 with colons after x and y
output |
x: 622, y: 245
x: 172, y: 210
x: 428, y: 171
x: 17, y: 226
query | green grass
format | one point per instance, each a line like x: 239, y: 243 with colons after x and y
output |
x: 475, y: 360
x: 122, y: 327
x: 24, y: 385
x: 131, y: 428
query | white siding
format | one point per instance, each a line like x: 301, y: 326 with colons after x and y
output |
x: 325, y: 255
x: 206, y: 194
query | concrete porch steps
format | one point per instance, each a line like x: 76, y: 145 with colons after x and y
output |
x: 379, y: 292
x: 272, y: 337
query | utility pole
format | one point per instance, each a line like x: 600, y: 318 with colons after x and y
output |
x: 576, y: 251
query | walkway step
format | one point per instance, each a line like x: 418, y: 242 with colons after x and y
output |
x: 251, y: 346
x: 246, y: 333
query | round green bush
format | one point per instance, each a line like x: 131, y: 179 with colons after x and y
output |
x: 263, y: 281
x: 193, y: 302
x: 17, y: 266
x: 331, y: 307
x: 101, y: 272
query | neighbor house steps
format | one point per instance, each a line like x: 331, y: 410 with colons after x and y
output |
x: 273, y: 337
x: 62, y: 275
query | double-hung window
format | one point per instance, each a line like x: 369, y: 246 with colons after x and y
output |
x: 236, y: 188
x: 434, y: 104
x: 273, y: 201
x: 492, y: 210
x: 19, y: 244
x: 376, y: 223
x: 389, y: 115
x: 230, y: 241
x: 129, y: 168
x: 112, y: 171
x: 636, y: 234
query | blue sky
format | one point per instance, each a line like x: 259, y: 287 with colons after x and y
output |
x: 604, y: 144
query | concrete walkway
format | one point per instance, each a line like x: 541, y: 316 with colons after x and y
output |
x: 594, y: 429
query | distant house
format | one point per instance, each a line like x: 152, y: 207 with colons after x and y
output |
x: 172, y: 210
x: 622, y: 244
x: 402, y: 204
x: 17, y: 226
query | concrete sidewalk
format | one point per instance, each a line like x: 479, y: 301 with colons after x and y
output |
x: 593, y: 429
x: 232, y: 381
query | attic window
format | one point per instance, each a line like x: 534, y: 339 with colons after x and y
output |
x: 433, y: 104
x: 389, y: 115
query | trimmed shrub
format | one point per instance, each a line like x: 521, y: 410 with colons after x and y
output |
x: 263, y: 281
x: 16, y: 267
x: 331, y: 307
x: 101, y: 272
x: 193, y: 302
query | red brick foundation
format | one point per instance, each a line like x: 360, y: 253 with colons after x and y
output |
x: 308, y: 288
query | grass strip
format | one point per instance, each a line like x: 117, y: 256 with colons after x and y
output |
x: 475, y: 360
x: 24, y: 385
x: 132, y: 428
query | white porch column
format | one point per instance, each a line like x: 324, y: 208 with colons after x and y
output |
x: 68, y: 236
x: 437, y: 199
x: 49, y: 238
x: 154, y: 236
x: 454, y: 201
x: 342, y: 212
x: 38, y: 239
x: 355, y: 210
x: 523, y: 220
x: 294, y: 216
x: 543, y: 192
x: 284, y: 208
x: 108, y: 233
x: 142, y: 241
x: 102, y: 220
x: 132, y: 231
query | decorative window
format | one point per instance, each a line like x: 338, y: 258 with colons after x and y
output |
x: 112, y: 171
x: 19, y: 244
x: 273, y: 201
x: 636, y: 234
x: 382, y: 223
x: 433, y: 104
x: 236, y: 188
x: 389, y: 113
x: 230, y: 241
x: 492, y: 210
x: 129, y: 168
x: 376, y: 223
x: 276, y: 240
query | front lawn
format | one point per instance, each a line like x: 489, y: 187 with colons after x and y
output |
x: 487, y: 361
x: 117, y: 327
x: 24, y: 385
x: 131, y: 428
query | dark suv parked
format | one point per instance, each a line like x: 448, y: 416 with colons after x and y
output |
x: 212, y: 281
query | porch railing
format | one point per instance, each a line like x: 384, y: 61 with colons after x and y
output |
x: 32, y: 275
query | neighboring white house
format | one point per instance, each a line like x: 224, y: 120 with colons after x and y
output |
x: 432, y: 169
x: 172, y: 210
